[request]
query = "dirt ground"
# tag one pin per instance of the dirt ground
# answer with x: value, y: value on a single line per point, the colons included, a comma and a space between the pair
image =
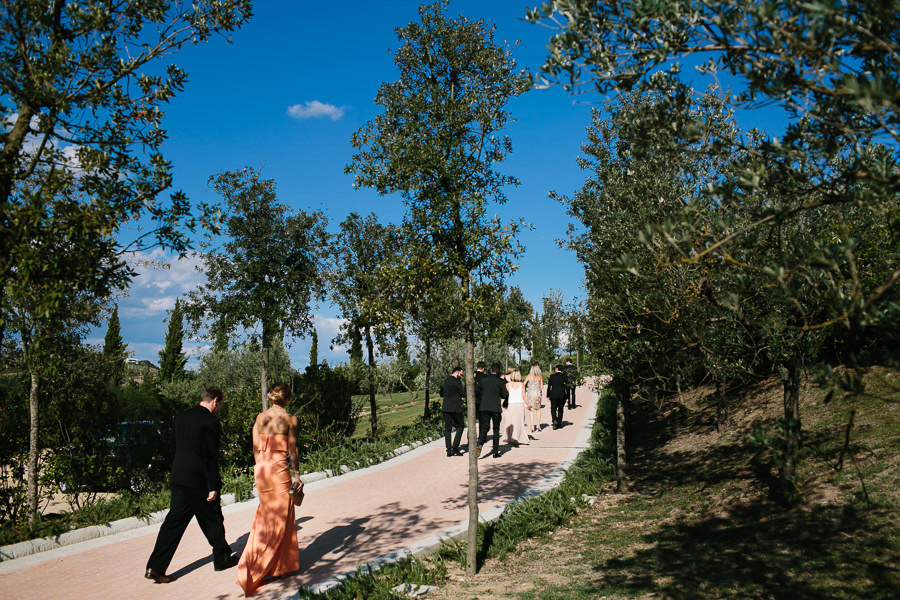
x: 535, y: 565
x: 687, y: 425
x: 59, y: 504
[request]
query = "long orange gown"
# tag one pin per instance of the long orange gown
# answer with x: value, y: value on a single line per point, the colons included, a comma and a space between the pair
x: 272, y: 548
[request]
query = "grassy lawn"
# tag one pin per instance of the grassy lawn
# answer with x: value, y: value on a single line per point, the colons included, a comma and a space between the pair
x: 394, y: 411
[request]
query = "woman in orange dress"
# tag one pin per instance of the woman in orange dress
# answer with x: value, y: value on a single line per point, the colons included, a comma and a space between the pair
x: 272, y: 549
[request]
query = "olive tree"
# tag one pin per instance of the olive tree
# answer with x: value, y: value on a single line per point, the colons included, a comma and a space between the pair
x: 82, y: 93
x: 268, y: 270
x: 436, y: 143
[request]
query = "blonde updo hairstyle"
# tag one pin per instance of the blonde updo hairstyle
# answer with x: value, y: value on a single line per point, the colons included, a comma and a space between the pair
x: 515, y: 376
x: 280, y: 394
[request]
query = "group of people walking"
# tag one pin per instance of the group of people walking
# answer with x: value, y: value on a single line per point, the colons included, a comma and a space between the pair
x: 503, y: 403
x: 272, y: 549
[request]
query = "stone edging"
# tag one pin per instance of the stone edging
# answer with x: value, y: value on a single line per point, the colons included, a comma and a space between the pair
x: 427, y: 545
x: 29, y: 547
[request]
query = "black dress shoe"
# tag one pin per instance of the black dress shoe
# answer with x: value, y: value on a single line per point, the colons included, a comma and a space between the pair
x: 158, y: 577
x: 232, y: 561
x: 456, y: 452
x: 496, y: 454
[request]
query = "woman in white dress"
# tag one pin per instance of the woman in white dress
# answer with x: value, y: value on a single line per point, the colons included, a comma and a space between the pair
x: 534, y: 386
x: 514, y: 425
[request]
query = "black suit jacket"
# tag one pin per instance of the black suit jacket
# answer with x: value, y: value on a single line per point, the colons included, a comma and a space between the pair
x: 197, y: 437
x: 452, y: 392
x: 492, y: 390
x: 556, y: 386
x: 478, y: 376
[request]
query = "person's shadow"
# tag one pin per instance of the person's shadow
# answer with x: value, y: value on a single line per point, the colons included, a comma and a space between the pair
x: 237, y: 547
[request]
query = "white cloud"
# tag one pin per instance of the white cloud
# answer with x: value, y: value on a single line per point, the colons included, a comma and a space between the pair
x: 315, y: 109
x: 327, y: 327
x: 159, y: 280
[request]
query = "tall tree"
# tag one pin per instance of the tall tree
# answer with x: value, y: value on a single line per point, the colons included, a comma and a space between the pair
x: 553, y: 323
x: 115, y: 350
x: 436, y: 143
x: 513, y: 330
x: 268, y: 270
x: 837, y: 163
x: 81, y: 94
x: 424, y: 293
x: 357, y: 364
x: 362, y: 255
x: 647, y: 159
x: 314, y: 349
x: 172, y: 358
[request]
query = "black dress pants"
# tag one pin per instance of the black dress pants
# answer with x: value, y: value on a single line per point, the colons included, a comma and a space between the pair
x: 556, y: 410
x: 187, y: 503
x: 570, y: 392
x: 453, y: 421
x: 487, y: 419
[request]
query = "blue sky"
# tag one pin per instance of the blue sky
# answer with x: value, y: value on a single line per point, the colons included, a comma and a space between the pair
x: 285, y: 96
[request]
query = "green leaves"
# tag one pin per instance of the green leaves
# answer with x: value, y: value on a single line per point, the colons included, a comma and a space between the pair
x: 268, y: 269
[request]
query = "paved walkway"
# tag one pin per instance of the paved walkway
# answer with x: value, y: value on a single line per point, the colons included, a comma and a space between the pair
x: 401, y: 506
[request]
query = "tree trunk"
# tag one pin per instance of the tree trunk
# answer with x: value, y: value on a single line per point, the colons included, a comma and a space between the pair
x: 791, y: 422
x: 33, y: 473
x: 370, y: 347
x: 623, y: 393
x: 264, y: 378
x: 427, y: 374
x: 472, y: 532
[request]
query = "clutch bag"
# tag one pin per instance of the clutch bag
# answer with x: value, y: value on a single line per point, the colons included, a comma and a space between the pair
x: 297, y: 493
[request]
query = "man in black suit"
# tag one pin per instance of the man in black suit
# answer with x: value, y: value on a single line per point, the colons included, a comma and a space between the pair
x: 452, y: 392
x: 571, y: 374
x: 557, y: 393
x: 195, y: 485
x: 492, y: 391
x: 479, y: 373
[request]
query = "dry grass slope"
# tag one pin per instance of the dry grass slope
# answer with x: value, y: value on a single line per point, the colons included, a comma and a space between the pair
x: 699, y: 521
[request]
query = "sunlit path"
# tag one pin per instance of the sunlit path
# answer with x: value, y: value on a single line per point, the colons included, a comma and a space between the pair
x: 344, y: 521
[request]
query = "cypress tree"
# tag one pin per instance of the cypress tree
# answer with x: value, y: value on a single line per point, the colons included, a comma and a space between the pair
x: 115, y: 351
x: 314, y: 349
x: 171, y: 357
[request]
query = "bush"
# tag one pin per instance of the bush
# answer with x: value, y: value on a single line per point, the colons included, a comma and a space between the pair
x: 323, y: 404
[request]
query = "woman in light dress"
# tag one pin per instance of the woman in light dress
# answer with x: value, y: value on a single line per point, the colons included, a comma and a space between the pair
x: 272, y: 549
x: 514, y: 425
x: 534, y: 386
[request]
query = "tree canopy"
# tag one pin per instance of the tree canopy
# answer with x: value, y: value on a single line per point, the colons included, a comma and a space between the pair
x: 81, y: 97
x: 436, y: 143
x: 268, y: 270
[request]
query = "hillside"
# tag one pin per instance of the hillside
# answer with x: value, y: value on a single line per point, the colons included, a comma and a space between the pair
x: 699, y: 520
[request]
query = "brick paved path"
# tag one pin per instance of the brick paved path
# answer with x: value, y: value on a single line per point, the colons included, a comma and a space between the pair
x: 344, y: 522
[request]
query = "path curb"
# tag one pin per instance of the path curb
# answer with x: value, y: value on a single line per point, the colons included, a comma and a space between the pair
x: 427, y: 545
x: 75, y: 536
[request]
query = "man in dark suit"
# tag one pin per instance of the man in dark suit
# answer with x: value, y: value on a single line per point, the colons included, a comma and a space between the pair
x: 452, y: 392
x: 557, y: 393
x: 492, y: 391
x: 479, y: 373
x: 195, y: 484
x: 571, y: 374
